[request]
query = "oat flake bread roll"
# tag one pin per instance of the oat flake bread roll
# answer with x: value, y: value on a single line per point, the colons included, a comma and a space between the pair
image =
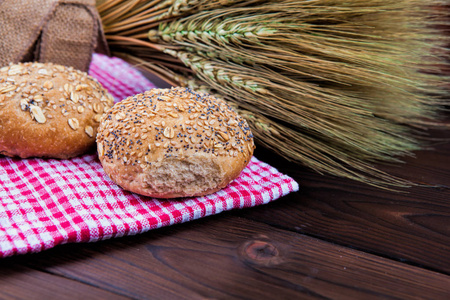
x: 49, y: 110
x: 169, y: 143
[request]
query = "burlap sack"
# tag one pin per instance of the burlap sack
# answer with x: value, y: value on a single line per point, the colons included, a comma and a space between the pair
x: 66, y: 32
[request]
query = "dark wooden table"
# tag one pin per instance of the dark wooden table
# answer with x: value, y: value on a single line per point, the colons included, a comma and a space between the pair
x: 334, y: 238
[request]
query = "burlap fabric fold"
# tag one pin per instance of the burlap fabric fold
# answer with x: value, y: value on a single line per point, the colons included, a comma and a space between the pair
x: 66, y: 32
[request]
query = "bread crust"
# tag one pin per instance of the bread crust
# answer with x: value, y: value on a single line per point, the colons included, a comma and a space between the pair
x: 48, y: 110
x: 169, y: 143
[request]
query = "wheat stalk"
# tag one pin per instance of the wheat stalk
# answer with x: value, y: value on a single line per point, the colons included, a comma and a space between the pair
x: 334, y: 85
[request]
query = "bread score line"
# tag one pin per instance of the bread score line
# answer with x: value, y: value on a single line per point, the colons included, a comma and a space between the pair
x: 169, y: 143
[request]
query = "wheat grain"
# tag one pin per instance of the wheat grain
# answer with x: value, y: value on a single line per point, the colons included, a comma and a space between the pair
x: 335, y: 85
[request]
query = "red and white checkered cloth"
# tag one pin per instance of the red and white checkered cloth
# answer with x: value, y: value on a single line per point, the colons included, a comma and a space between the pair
x: 47, y: 202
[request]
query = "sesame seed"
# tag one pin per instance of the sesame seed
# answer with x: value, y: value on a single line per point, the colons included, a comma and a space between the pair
x: 89, y: 131
x: 73, y: 123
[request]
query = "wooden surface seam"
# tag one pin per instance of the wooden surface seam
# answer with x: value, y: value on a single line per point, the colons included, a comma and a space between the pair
x: 334, y: 239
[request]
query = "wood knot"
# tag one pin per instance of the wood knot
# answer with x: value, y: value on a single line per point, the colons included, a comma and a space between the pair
x: 260, y: 252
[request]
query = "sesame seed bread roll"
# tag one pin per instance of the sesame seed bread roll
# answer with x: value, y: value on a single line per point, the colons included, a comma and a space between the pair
x: 48, y: 110
x: 169, y: 143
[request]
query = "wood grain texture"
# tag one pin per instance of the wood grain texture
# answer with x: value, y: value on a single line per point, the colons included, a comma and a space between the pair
x: 333, y: 239
x: 412, y: 226
x: 20, y: 282
x: 228, y: 257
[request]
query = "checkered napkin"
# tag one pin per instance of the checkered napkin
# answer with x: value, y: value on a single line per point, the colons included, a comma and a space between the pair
x: 47, y: 202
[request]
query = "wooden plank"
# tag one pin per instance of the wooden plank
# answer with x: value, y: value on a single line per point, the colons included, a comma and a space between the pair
x: 413, y: 227
x: 21, y: 282
x: 228, y: 257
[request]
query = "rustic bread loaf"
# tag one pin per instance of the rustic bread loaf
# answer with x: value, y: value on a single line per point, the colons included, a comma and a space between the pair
x: 169, y: 143
x: 49, y: 110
